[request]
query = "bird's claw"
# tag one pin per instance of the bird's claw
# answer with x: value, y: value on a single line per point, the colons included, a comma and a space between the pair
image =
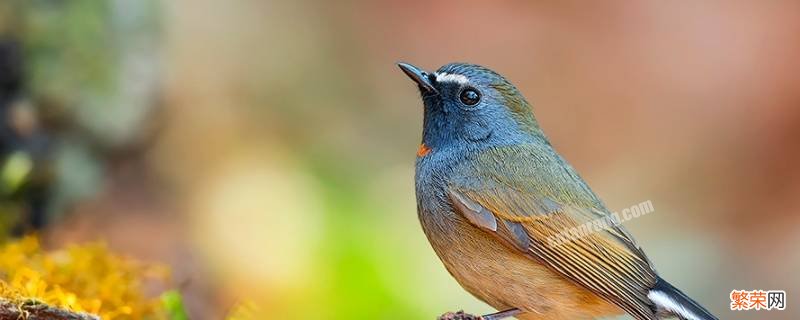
x: 460, y: 315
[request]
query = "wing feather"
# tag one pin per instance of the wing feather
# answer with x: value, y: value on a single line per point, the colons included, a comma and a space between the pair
x: 525, y: 202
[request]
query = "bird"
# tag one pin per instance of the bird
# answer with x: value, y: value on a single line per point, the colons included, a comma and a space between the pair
x: 494, y: 199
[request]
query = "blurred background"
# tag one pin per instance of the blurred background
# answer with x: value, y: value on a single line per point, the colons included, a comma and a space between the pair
x: 264, y: 150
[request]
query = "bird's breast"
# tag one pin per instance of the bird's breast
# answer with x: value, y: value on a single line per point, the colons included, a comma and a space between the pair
x: 506, y: 278
x: 495, y: 273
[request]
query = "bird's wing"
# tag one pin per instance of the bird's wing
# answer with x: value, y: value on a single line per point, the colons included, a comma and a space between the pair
x: 528, y: 197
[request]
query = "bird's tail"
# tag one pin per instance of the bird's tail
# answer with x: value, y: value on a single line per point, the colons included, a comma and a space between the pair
x: 671, y: 302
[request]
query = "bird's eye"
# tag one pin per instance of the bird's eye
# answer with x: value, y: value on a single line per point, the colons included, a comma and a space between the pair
x: 470, y: 96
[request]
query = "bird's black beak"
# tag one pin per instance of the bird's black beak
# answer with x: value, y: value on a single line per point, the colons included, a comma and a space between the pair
x: 419, y: 76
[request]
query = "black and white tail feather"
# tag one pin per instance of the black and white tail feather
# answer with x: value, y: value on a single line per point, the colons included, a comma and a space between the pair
x: 671, y: 302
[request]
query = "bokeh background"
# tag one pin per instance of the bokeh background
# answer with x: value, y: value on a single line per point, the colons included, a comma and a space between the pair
x: 264, y: 150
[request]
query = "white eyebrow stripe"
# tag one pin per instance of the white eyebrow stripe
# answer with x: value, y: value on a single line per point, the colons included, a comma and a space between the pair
x: 450, y: 77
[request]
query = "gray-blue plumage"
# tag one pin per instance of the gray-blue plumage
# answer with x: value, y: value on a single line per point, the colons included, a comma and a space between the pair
x: 492, y: 193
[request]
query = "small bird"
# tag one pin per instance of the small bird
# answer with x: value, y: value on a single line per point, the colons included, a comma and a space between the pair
x: 494, y: 199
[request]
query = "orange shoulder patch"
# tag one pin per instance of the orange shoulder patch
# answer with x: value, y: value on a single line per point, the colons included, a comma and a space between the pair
x: 423, y: 150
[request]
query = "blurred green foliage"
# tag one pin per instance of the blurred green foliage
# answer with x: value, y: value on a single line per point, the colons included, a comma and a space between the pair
x: 91, y: 73
x: 172, y: 302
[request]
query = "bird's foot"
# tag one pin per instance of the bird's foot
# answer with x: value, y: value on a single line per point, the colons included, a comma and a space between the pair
x: 460, y: 315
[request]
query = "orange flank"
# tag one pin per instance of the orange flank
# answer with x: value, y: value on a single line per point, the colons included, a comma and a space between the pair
x: 423, y: 150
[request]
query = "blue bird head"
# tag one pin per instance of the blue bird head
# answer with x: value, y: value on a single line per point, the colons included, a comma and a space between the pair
x: 471, y: 106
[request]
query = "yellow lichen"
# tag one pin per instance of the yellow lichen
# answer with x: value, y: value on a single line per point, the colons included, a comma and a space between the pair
x: 85, y: 278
